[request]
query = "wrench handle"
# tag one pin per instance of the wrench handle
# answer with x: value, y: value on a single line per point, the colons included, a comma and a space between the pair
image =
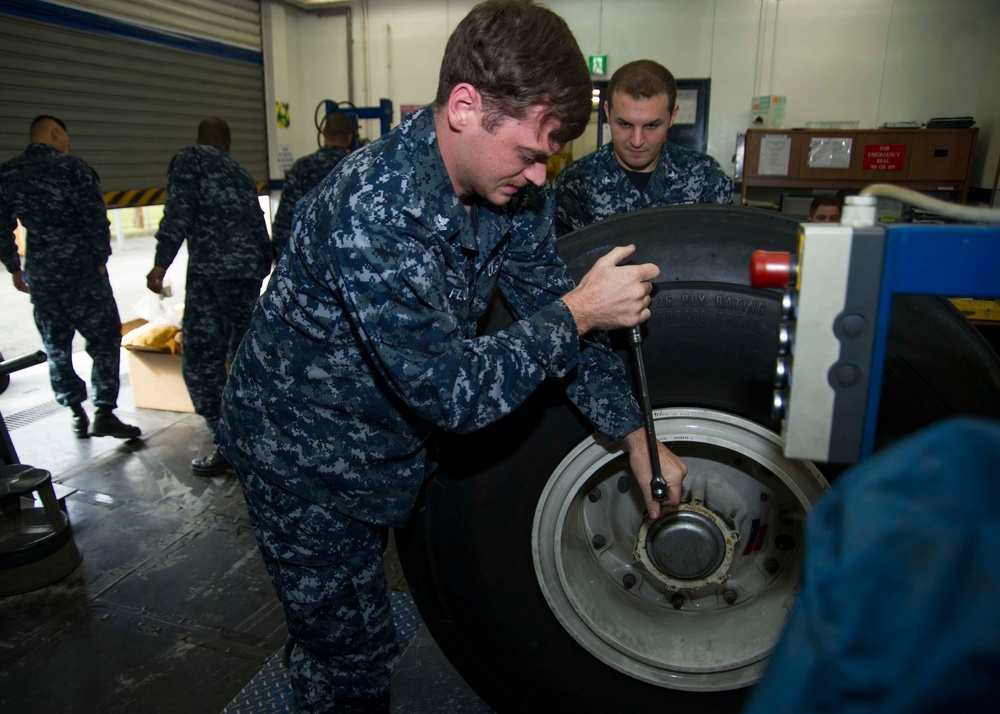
x: 657, y: 486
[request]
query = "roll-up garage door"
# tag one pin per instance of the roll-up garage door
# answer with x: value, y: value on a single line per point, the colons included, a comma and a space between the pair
x: 132, y: 79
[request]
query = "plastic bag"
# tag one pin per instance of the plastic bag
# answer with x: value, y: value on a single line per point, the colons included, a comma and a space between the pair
x: 157, y: 311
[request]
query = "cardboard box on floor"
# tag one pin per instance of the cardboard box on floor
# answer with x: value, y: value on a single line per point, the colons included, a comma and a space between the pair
x: 155, y: 376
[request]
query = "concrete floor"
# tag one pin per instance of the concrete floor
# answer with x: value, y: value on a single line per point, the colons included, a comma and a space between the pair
x: 170, y: 608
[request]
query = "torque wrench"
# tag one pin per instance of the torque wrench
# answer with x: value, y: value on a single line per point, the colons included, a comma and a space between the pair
x: 657, y: 486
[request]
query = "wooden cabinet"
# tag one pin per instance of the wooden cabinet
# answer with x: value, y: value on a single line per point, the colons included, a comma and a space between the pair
x: 943, y: 155
x: 938, y: 160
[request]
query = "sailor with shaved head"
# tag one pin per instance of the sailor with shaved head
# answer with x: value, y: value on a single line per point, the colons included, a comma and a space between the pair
x: 58, y: 200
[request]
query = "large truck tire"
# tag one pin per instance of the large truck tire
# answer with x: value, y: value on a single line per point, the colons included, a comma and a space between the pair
x: 522, y: 551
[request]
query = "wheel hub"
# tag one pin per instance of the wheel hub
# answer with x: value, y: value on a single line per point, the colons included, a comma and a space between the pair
x: 685, y: 545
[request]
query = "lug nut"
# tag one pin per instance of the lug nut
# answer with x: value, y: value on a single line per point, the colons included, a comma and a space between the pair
x: 598, y: 541
x: 624, y: 484
x: 595, y: 495
x: 771, y: 566
x: 677, y: 600
x: 730, y: 596
x: 628, y: 580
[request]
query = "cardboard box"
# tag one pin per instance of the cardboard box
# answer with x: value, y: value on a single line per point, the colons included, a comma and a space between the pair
x: 155, y: 377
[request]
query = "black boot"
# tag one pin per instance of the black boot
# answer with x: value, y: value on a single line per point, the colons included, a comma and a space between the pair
x: 212, y: 465
x: 107, y: 424
x: 81, y: 422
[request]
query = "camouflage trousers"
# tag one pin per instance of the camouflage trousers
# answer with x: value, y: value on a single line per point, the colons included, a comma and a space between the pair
x: 216, y: 316
x: 87, y: 307
x: 328, y: 573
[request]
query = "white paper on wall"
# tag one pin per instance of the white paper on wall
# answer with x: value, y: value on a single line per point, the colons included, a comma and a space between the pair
x: 775, y: 150
x: 687, y: 106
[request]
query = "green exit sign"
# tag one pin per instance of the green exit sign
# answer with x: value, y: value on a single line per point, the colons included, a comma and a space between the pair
x: 598, y: 64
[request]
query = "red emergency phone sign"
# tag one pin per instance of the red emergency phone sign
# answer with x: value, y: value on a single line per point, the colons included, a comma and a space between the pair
x: 883, y: 157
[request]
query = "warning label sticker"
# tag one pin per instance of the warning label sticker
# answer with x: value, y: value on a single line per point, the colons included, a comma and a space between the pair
x: 883, y: 157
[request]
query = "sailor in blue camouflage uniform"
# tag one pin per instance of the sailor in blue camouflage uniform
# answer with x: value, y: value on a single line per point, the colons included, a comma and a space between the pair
x: 212, y: 203
x: 364, y: 343
x: 307, y: 172
x: 58, y: 199
x: 638, y: 169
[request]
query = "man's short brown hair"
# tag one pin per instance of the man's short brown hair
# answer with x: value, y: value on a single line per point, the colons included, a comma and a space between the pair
x: 825, y: 199
x: 213, y: 131
x: 337, y: 125
x: 643, y: 79
x: 519, y: 55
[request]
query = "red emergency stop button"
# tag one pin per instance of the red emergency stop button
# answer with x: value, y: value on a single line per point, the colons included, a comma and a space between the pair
x: 770, y: 269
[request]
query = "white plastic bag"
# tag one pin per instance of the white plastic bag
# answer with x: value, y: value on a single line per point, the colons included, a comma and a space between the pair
x: 157, y: 311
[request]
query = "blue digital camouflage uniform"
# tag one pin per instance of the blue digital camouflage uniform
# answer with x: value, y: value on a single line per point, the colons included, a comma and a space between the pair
x: 300, y: 180
x: 212, y: 203
x: 363, y: 344
x: 596, y: 187
x: 897, y: 609
x: 59, y: 201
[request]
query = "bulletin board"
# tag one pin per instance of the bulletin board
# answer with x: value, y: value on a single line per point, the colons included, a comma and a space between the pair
x: 690, y: 130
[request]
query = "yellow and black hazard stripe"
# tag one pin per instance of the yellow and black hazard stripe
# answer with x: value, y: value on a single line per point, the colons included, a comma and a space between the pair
x: 151, y: 196
x: 977, y: 310
x: 135, y: 197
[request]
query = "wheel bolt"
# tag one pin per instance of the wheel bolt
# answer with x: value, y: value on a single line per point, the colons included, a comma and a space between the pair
x: 598, y: 541
x: 771, y: 566
x: 677, y: 600
x: 595, y: 495
x: 628, y: 580
x: 624, y: 484
x: 729, y: 596
x: 763, y: 497
x: 784, y: 542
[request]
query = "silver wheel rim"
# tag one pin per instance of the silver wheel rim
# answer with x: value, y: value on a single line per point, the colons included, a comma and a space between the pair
x: 710, y: 623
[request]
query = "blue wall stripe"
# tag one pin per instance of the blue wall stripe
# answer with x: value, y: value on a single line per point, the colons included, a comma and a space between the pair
x: 92, y: 22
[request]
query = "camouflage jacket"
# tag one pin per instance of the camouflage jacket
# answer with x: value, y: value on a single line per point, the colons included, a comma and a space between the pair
x: 596, y: 187
x: 212, y: 203
x: 300, y: 180
x: 59, y: 201
x: 365, y: 339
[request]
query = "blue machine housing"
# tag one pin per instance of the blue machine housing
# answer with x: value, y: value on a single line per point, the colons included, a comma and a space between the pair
x: 839, y: 325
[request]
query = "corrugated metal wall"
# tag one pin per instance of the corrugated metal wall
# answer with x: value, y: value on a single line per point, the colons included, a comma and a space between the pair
x: 132, y: 81
x: 231, y: 22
